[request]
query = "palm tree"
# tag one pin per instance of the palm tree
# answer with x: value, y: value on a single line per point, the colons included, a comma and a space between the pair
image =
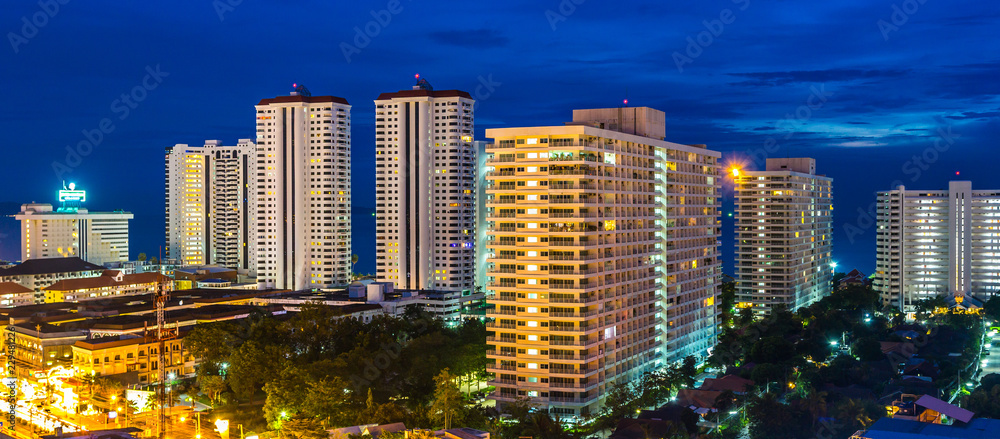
x: 354, y: 261
x: 815, y: 403
x: 541, y: 425
x: 857, y: 413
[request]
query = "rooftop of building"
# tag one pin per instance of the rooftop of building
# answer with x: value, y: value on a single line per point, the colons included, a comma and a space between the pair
x: 200, y: 269
x: 110, y: 278
x: 203, y: 313
x: 49, y: 266
x: 424, y: 93
x: 13, y: 288
x: 303, y: 99
x: 894, y: 428
x: 137, y: 304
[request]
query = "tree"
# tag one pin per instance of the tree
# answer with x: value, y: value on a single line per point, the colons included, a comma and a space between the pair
x: 772, y: 349
x: 541, y: 425
x: 868, y: 349
x: 745, y: 316
x: 302, y: 427
x: 251, y: 367
x: 285, y: 395
x: 154, y: 261
x: 327, y: 399
x: 992, y: 307
x: 142, y: 257
x: 354, y: 261
x: 769, y: 418
x: 212, y: 385
x: 859, y: 413
x: 447, y: 399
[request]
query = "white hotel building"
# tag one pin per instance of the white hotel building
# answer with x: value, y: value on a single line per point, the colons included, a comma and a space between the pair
x: 303, y: 192
x: 96, y: 237
x: 210, y: 197
x: 602, y: 254
x: 933, y: 243
x: 784, y: 233
x: 425, y: 189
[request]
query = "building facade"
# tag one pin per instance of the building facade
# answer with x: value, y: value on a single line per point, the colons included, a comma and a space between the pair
x: 37, y: 274
x: 211, y: 204
x: 603, y: 255
x: 932, y: 243
x: 425, y: 189
x: 303, y: 191
x: 133, y: 359
x: 110, y: 283
x: 97, y: 237
x: 784, y: 233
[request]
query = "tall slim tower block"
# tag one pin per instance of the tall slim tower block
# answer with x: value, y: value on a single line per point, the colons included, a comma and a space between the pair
x: 934, y: 243
x: 303, y: 191
x: 603, y: 255
x: 425, y: 189
x: 211, y: 204
x: 784, y: 233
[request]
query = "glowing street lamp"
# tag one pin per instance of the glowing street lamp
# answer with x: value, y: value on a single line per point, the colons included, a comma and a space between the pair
x: 222, y: 426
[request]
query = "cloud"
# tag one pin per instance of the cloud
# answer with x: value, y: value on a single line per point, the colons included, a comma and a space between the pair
x: 829, y: 75
x: 472, y: 39
x: 975, y: 115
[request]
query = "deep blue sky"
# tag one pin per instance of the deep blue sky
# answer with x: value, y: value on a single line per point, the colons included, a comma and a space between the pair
x: 887, y: 90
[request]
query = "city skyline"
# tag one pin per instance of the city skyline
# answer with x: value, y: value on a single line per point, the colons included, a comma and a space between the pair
x: 909, y: 90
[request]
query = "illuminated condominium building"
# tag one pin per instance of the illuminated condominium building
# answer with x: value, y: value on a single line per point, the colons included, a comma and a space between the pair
x: 933, y: 243
x: 303, y: 191
x: 425, y: 184
x: 784, y: 235
x: 71, y: 230
x: 602, y: 255
x: 210, y: 210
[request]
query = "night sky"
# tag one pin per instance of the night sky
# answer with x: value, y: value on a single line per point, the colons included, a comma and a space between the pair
x: 880, y: 92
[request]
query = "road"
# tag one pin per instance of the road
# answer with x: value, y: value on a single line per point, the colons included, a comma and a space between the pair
x: 993, y: 361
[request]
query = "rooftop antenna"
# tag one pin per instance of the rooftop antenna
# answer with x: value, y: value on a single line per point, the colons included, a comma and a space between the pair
x: 301, y: 90
x: 422, y: 84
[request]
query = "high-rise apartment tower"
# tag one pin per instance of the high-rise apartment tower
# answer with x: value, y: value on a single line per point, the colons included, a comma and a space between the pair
x: 303, y: 191
x: 602, y: 254
x: 784, y: 235
x: 211, y: 211
x: 425, y: 189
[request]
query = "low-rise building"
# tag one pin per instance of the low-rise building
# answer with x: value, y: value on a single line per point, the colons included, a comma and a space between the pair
x: 201, y: 275
x: 133, y: 359
x: 14, y: 294
x: 36, y: 274
x: 110, y: 283
x: 39, y: 347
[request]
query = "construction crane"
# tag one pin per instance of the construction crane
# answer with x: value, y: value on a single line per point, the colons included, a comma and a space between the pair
x: 162, y: 335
